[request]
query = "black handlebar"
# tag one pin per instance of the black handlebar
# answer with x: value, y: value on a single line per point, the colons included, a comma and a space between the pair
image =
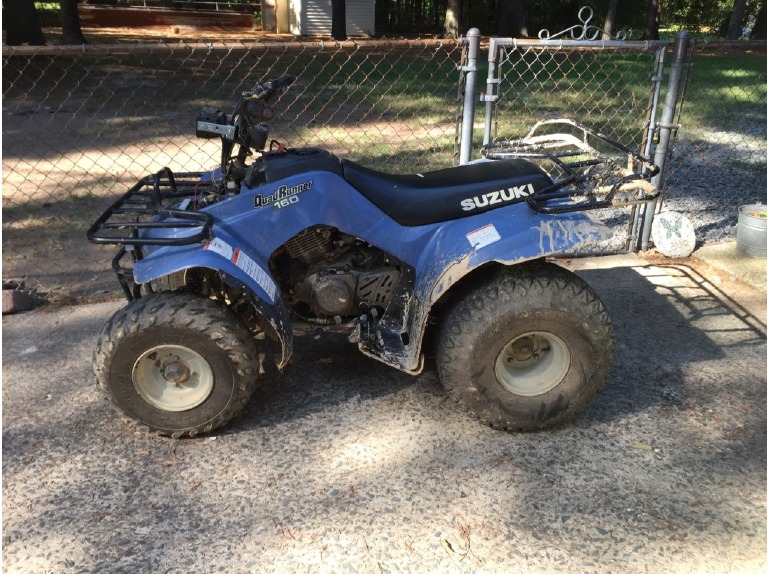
x: 255, y: 105
x: 265, y: 90
x: 251, y: 110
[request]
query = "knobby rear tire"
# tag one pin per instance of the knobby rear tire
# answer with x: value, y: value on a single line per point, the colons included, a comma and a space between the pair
x: 544, y: 321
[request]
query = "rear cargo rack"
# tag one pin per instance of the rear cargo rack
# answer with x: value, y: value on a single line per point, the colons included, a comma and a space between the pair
x: 144, y: 207
x: 589, y: 170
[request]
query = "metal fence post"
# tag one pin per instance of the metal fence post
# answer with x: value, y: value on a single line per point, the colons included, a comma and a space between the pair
x: 667, y: 126
x: 637, y: 211
x: 469, y: 104
x: 490, y: 97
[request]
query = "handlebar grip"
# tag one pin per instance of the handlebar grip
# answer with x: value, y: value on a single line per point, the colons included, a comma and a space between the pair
x: 265, y: 90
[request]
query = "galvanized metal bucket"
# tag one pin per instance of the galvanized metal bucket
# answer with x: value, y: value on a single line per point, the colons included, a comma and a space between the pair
x: 752, y: 230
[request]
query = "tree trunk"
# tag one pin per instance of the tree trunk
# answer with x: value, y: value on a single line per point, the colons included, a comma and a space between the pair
x: 651, y: 31
x: 70, y: 23
x: 759, y: 31
x: 736, y: 20
x: 338, y: 20
x: 452, y: 19
x: 609, y: 22
x: 22, y: 23
x: 513, y: 21
x: 505, y: 24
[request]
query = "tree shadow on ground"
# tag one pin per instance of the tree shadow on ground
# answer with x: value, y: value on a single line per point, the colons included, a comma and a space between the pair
x: 343, y: 459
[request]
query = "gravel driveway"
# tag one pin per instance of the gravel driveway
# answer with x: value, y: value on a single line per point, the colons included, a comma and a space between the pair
x: 342, y: 464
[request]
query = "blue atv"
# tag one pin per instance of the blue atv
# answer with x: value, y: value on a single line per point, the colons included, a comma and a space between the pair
x: 223, y: 268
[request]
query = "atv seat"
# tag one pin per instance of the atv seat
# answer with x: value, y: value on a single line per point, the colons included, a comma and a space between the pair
x: 450, y: 193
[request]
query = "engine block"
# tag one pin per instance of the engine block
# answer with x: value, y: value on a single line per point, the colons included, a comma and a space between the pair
x: 332, y: 274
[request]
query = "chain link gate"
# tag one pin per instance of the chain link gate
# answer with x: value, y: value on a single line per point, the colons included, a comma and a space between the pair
x: 704, y: 121
x: 611, y: 86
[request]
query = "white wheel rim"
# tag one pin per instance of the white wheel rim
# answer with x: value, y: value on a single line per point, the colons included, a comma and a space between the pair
x: 532, y: 363
x: 172, y: 378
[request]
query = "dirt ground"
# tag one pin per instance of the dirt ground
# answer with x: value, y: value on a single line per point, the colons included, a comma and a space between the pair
x: 341, y: 464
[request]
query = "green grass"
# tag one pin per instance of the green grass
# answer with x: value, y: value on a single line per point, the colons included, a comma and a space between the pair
x: 342, y: 99
x: 726, y: 93
x: 607, y: 91
x: 345, y: 98
x: 372, y: 107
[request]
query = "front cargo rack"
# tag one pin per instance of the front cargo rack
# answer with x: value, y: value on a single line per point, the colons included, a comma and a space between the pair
x: 156, y: 202
x: 146, y: 206
x: 589, y: 170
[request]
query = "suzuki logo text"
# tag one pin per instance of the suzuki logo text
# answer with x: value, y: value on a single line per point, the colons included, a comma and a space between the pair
x: 501, y: 196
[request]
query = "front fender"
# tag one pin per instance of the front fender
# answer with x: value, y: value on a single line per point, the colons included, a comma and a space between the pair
x: 238, y: 267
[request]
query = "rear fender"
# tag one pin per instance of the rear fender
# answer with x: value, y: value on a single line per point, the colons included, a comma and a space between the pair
x: 238, y: 268
x: 508, y: 242
x: 505, y: 236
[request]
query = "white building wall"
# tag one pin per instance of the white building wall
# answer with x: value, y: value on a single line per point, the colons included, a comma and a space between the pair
x: 314, y: 17
x: 360, y: 17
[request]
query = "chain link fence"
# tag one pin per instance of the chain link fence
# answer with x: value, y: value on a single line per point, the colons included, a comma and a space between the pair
x: 81, y: 125
x: 718, y: 160
x: 612, y: 87
x: 606, y: 88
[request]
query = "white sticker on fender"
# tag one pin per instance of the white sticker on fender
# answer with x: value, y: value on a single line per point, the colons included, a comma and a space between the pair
x: 246, y: 264
x: 256, y: 272
x: 483, y: 236
x: 218, y: 246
